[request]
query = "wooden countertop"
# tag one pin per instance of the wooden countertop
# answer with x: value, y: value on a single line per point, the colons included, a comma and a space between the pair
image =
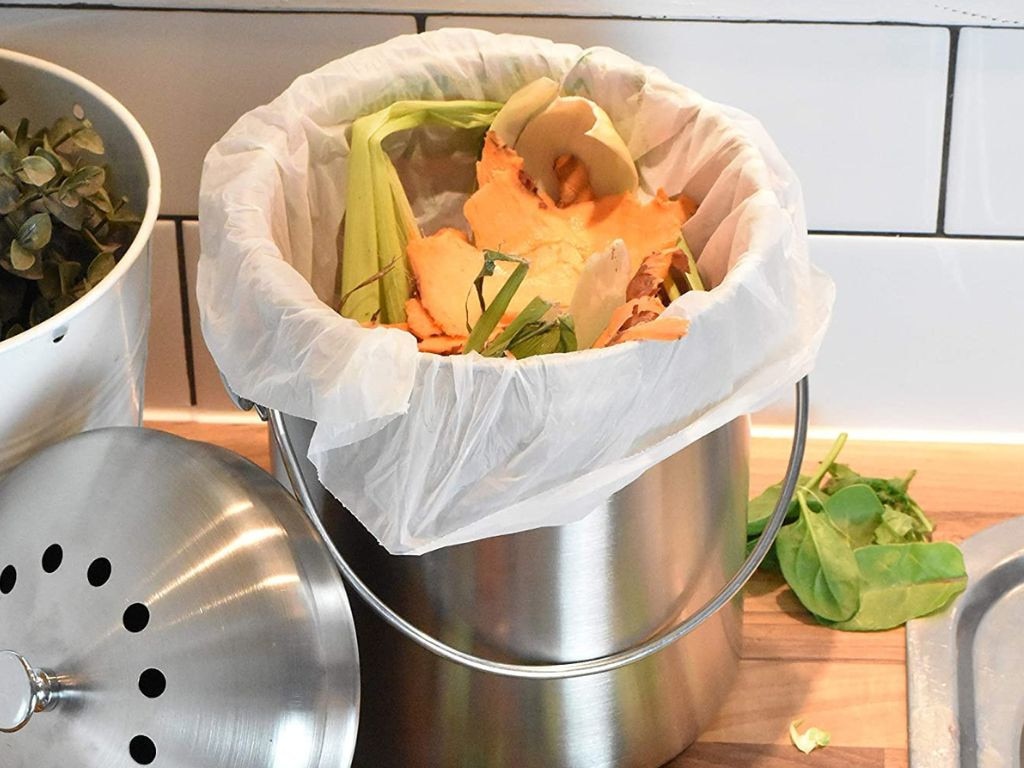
x: 851, y: 684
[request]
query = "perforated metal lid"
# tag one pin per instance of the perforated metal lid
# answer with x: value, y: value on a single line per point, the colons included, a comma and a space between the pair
x: 165, y: 602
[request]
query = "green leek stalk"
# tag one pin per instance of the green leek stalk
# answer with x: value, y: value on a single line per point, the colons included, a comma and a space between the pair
x: 379, y: 222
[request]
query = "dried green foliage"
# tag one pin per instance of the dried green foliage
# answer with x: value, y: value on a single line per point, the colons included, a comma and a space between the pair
x: 60, y: 231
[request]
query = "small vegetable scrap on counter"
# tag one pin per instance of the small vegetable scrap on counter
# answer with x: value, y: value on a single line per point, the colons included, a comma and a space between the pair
x: 60, y: 231
x: 809, y: 740
x: 857, y: 551
x: 560, y: 252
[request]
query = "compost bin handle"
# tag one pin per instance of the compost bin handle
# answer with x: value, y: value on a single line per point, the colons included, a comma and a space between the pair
x: 544, y: 671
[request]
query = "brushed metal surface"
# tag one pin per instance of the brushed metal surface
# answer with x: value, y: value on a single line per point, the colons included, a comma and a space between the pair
x: 654, y: 551
x: 248, y: 626
x: 964, y: 665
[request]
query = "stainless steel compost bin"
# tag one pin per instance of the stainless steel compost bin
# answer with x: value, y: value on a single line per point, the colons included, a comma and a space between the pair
x: 608, y: 642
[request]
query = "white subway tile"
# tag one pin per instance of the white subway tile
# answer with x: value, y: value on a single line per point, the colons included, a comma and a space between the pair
x: 858, y: 110
x: 210, y: 392
x: 925, y: 337
x: 166, y: 371
x: 986, y: 165
x: 188, y: 76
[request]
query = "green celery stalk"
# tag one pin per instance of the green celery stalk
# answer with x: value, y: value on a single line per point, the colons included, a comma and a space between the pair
x: 379, y: 223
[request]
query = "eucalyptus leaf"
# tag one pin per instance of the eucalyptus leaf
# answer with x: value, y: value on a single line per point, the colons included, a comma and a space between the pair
x: 101, y: 200
x: 86, y: 181
x: 89, y: 140
x: 856, y: 512
x: 10, y: 195
x: 49, y: 286
x: 69, y: 216
x: 819, y: 566
x: 22, y: 259
x: 900, y: 582
x: 100, y: 267
x: 35, y: 233
x: 13, y: 331
x: 69, y: 273
x: 50, y: 157
x: 36, y: 170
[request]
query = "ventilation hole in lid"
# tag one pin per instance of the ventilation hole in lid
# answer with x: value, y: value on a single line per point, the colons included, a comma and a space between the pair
x: 136, y: 617
x: 52, y: 558
x: 99, y: 571
x: 152, y: 683
x: 142, y: 749
x: 8, y: 576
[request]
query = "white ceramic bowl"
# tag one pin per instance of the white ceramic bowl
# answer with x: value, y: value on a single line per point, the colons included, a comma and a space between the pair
x: 84, y: 367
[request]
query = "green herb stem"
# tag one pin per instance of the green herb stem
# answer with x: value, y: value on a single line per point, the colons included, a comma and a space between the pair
x: 489, y: 319
x: 828, y: 461
x: 531, y: 313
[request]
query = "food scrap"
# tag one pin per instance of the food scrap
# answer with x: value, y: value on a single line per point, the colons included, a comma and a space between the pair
x: 561, y: 253
x: 810, y: 739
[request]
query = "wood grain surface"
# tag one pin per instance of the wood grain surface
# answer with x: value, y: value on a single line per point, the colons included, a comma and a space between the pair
x: 851, y: 684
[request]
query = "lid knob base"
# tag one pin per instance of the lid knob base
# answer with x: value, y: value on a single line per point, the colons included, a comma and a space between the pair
x: 23, y: 691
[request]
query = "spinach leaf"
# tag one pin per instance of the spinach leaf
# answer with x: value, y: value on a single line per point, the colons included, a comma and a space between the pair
x: 891, y: 492
x: 900, y: 582
x: 760, y: 508
x: 896, y: 528
x: 819, y: 565
x: 856, y: 512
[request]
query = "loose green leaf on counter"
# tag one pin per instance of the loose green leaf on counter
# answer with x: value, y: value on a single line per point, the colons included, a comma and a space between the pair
x: 856, y: 512
x: 819, y: 565
x: 809, y: 740
x: 760, y: 508
x: 900, y: 582
x: 859, y: 547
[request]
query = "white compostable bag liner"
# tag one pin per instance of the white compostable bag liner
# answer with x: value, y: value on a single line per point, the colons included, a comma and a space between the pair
x: 430, y: 451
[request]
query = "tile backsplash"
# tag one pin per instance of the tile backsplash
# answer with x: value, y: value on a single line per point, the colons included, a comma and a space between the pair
x: 854, y: 103
x: 904, y: 136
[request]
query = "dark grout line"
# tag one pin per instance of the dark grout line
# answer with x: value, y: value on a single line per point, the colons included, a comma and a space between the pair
x: 186, y: 316
x: 947, y: 129
x: 707, y: 20
x: 913, y: 235
x: 421, y: 15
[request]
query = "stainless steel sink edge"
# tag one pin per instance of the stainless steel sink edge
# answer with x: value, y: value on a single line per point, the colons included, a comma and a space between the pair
x: 965, y: 710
